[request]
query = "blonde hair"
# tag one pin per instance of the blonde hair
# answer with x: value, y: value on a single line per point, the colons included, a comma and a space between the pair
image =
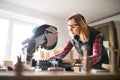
x: 84, y: 29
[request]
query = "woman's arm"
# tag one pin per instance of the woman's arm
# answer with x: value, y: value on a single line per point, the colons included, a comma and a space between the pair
x: 97, y: 50
x: 64, y: 52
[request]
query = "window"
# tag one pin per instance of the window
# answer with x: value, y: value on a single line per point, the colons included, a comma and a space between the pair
x: 13, y: 32
x: 4, y: 25
x: 20, y: 33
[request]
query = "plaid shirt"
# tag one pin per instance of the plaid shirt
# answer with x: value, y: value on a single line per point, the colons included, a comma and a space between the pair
x: 93, y: 59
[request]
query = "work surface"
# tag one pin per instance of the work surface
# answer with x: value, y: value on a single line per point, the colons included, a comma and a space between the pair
x: 48, y: 75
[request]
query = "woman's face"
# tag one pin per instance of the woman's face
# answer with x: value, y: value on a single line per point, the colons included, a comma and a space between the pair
x: 74, y: 28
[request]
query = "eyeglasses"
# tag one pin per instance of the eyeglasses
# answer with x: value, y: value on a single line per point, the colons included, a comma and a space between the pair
x: 74, y: 25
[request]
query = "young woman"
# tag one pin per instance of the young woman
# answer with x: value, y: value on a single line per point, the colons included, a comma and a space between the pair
x: 81, y: 34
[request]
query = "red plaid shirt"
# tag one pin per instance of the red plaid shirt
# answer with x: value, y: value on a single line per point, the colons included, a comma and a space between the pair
x: 97, y: 50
